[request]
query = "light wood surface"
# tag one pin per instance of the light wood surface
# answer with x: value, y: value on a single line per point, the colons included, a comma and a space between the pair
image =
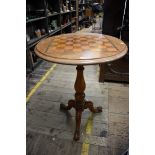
x: 81, y: 49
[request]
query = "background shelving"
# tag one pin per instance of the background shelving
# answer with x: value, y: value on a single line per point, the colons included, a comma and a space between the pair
x: 81, y: 13
x: 46, y: 18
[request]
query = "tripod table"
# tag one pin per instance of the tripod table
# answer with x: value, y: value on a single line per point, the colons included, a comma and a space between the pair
x: 80, y: 49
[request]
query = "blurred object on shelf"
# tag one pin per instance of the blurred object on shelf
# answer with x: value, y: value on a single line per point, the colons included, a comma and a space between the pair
x: 97, y: 8
x: 61, y: 6
x: 72, y: 8
x: 64, y: 8
x: 54, y: 24
x: 89, y: 12
x: 67, y: 8
x: 43, y: 31
x: 38, y: 33
x: 48, y: 12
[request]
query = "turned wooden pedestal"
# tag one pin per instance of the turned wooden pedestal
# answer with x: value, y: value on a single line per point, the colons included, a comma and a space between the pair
x: 80, y: 49
x: 79, y: 103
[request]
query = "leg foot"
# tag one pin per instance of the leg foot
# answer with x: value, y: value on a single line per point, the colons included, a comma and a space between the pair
x: 78, y: 122
x: 90, y: 106
x: 76, y: 135
x: 71, y: 104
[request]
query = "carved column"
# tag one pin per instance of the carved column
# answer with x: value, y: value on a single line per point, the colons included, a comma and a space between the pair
x: 79, y: 99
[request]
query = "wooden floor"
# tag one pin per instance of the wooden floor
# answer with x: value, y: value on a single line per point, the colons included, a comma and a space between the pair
x: 50, y: 131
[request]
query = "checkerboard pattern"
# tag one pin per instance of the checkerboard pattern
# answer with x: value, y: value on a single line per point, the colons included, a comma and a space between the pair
x: 79, y: 46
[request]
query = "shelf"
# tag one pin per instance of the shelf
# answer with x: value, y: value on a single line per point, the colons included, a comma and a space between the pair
x: 54, y: 14
x: 66, y: 25
x: 35, y: 19
x: 65, y: 12
x: 44, y: 19
x: 55, y: 31
x: 35, y: 40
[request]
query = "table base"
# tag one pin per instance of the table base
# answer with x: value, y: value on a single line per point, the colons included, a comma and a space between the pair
x: 79, y: 103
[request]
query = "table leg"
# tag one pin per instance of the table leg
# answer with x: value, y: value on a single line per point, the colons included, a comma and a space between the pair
x: 89, y: 105
x: 71, y: 104
x: 80, y: 103
x: 79, y: 99
x: 78, y: 123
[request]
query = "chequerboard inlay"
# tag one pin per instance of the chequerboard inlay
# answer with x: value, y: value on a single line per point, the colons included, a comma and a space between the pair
x: 85, y: 46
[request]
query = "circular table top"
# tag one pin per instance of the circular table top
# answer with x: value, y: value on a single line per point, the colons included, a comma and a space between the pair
x: 81, y: 48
